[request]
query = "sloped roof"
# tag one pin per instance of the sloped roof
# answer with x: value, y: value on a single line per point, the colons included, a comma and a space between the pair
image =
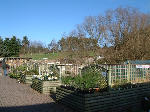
x: 140, y: 62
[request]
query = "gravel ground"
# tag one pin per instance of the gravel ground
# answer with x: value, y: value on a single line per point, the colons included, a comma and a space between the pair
x: 18, y: 97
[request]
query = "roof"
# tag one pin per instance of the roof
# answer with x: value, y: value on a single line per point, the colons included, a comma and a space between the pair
x: 140, y: 62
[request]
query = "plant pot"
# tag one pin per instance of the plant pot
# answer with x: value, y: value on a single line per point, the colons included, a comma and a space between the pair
x: 96, y: 89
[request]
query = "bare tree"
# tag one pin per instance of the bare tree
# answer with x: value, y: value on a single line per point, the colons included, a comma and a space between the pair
x: 53, y: 46
x: 37, y: 47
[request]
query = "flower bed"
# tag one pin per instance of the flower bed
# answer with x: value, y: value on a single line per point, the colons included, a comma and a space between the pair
x: 112, y: 101
x: 22, y: 74
x: 45, y: 87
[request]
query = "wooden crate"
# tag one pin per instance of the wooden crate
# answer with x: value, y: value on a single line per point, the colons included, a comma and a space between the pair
x: 113, y: 101
x: 45, y: 87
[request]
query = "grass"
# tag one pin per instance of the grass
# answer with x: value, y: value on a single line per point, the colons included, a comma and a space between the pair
x: 53, y: 56
x: 39, y: 56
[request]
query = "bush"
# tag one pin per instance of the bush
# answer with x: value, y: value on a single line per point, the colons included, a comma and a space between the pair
x: 121, y: 84
x: 31, y: 72
x: 68, y: 80
x: 15, y: 76
x: 90, y: 78
x: 21, y: 71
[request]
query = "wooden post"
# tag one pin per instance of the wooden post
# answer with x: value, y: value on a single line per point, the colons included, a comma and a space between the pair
x: 128, y: 72
x: 60, y: 75
x: 39, y: 71
x: 109, y: 77
x: 115, y: 72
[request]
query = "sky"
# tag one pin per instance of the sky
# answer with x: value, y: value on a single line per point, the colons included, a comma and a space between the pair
x: 44, y: 20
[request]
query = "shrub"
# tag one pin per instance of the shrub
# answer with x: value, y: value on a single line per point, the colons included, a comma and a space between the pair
x: 121, y: 84
x: 68, y: 80
x: 89, y: 79
x: 31, y: 72
x: 15, y: 76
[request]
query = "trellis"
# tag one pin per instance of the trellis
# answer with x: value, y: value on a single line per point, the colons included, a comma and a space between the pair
x: 128, y: 72
x: 64, y: 69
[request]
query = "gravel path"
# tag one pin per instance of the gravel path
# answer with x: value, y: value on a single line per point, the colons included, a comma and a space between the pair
x: 16, y: 97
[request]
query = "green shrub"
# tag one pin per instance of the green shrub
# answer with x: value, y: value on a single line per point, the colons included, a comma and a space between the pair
x: 68, y: 80
x: 19, y: 72
x: 90, y: 78
x: 55, y: 70
x: 31, y: 72
x: 22, y: 68
x: 15, y: 76
x: 121, y: 84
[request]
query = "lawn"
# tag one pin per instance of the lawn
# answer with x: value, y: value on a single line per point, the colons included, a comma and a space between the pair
x: 39, y: 56
x: 54, y: 56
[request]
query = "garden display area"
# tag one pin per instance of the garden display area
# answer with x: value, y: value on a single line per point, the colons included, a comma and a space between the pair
x: 89, y: 91
x: 45, y: 83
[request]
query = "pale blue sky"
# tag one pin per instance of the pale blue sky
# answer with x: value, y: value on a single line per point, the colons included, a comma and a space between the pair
x: 45, y: 20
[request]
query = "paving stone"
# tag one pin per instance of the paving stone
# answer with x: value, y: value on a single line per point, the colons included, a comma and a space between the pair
x: 18, y: 97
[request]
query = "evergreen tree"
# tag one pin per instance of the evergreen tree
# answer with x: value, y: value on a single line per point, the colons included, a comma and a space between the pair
x: 6, y: 47
x: 14, y: 46
x: 25, y: 44
x: 1, y: 46
x: 11, y: 47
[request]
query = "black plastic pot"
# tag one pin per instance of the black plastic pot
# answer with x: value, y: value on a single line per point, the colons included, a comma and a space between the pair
x: 146, y: 103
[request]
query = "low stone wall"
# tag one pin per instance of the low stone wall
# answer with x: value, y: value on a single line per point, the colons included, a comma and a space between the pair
x: 45, y: 87
x: 113, y: 101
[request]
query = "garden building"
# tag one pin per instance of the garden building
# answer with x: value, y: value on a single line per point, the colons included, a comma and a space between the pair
x: 132, y: 71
